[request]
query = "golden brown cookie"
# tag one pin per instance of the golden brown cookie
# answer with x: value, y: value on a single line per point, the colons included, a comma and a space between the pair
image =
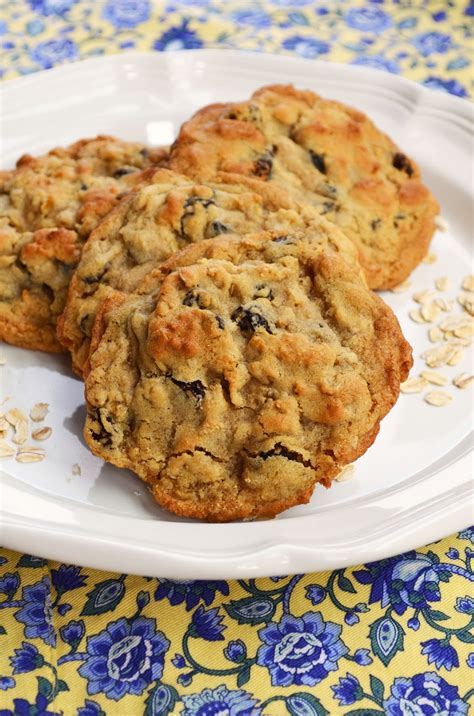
x: 48, y: 207
x: 162, y: 217
x: 242, y: 373
x: 327, y: 154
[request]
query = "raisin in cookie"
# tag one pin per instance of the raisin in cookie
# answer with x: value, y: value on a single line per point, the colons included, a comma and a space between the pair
x: 325, y: 153
x: 242, y: 373
x: 48, y: 207
x: 162, y: 217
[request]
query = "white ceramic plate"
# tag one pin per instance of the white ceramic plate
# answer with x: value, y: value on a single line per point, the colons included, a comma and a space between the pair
x: 413, y: 485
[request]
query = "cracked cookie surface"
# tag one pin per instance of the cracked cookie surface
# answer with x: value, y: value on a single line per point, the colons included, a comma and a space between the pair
x: 325, y: 153
x: 166, y: 215
x: 48, y: 207
x: 241, y: 373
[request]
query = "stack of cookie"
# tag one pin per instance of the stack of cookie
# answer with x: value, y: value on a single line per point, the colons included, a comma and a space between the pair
x: 217, y: 299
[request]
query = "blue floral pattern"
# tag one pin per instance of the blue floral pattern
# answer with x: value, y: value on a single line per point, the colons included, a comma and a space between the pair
x: 315, y: 644
x: 390, y: 637
x: 427, y: 44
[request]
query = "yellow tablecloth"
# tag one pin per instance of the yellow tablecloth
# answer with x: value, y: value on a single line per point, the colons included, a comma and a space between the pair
x: 391, y: 637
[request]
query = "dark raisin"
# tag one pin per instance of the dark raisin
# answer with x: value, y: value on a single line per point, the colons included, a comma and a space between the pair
x: 263, y: 291
x: 84, y: 187
x: 280, y: 450
x: 327, y: 207
x: 215, y: 229
x: 318, y: 161
x: 123, y: 171
x: 189, y: 203
x: 375, y: 224
x: 100, y: 435
x: 283, y: 240
x: 402, y: 163
x: 264, y: 165
x: 249, y: 319
x: 193, y: 298
x: 144, y: 152
x: 220, y: 321
x: 327, y: 190
x: 195, y: 387
x: 89, y: 280
x: 83, y: 325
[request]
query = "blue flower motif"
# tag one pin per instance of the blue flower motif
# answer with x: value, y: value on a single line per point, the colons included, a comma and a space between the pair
x: 315, y: 593
x: 207, y: 624
x: 351, y: 618
x: 9, y: 583
x: 178, y: 661
x: 190, y: 591
x: 300, y: 650
x: 465, y: 605
x: 424, y: 694
x: 220, y: 701
x: 67, y: 578
x: 51, y: 7
x: 52, y: 52
x: 439, y: 16
x: 408, y: 580
x: 430, y: 43
x: 178, y: 38
x: 90, y: 708
x: 63, y: 609
x: 252, y: 16
x: 72, y: 632
x: 185, y: 679
x: 26, y: 658
x: 467, y: 534
x: 368, y: 19
x: 452, y: 553
x: 126, y: 14
x: 348, y: 690
x: 452, y: 87
x: 440, y: 653
x: 469, y: 9
x: 124, y: 658
x: 377, y: 62
x: 22, y: 707
x: 235, y: 651
x: 308, y: 47
x: 413, y: 623
x: 7, y: 682
x: 362, y: 657
x: 470, y: 660
x: 37, y: 612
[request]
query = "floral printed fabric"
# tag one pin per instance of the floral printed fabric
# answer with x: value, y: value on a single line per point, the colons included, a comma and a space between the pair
x: 429, y: 41
x: 391, y: 637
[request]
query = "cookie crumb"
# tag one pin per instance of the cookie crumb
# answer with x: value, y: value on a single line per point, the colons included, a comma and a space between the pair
x: 3, y: 358
x: 435, y: 334
x: 6, y: 450
x: 463, y: 381
x: 442, y: 283
x: 413, y: 385
x: 430, y: 258
x: 76, y: 469
x: 441, y: 224
x: 438, y: 398
x: 468, y: 283
x: 19, y: 422
x: 41, y: 433
x: 347, y: 473
x: 434, y: 377
x: 39, y: 411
